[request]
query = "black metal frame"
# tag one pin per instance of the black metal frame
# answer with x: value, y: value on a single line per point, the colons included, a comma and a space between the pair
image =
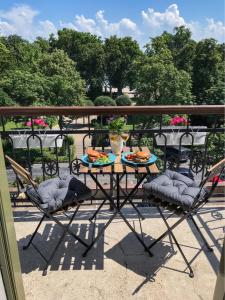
x: 198, y: 160
x: 185, y: 215
x: 48, y: 215
x: 117, y: 180
x: 65, y: 228
x: 117, y: 210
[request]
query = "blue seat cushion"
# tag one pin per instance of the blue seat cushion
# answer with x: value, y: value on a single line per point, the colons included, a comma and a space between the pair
x: 55, y: 194
x: 175, y: 188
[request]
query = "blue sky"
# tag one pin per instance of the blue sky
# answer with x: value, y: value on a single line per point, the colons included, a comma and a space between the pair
x: 137, y: 18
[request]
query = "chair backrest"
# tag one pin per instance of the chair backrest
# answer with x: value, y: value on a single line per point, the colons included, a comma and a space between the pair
x: 20, y: 172
x: 215, y: 170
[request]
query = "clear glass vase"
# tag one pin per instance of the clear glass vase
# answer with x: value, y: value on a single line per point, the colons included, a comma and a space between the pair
x: 116, y: 143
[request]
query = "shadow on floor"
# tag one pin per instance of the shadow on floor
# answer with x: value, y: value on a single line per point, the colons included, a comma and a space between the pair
x: 207, y: 227
x: 69, y: 253
x: 130, y: 254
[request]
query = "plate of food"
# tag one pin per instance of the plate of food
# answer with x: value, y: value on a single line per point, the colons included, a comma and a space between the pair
x: 98, y: 158
x: 138, y: 158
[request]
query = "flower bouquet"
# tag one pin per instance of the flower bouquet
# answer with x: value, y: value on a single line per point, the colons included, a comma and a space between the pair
x: 117, y: 133
x: 178, y: 136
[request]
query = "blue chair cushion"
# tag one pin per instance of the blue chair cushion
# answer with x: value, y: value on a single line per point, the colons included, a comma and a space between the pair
x: 175, y: 188
x: 55, y: 194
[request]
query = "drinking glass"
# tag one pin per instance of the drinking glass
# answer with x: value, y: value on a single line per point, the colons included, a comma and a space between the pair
x: 125, y: 136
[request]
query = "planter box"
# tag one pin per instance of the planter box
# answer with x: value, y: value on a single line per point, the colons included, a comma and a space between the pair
x: 48, y: 141
x: 173, y: 138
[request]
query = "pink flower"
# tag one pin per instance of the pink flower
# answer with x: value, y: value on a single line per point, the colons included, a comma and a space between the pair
x: 28, y: 123
x: 38, y: 121
x: 178, y: 120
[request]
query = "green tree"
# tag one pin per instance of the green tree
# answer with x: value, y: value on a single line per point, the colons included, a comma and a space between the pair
x: 216, y: 93
x: 123, y: 100
x: 104, y: 101
x: 162, y: 83
x: 63, y: 84
x: 208, y: 70
x: 23, y: 55
x: 5, y: 100
x: 183, y: 48
x: 87, y: 51
x: 42, y: 44
x: 180, y: 45
x: 23, y: 87
x: 4, y: 58
x: 121, y: 54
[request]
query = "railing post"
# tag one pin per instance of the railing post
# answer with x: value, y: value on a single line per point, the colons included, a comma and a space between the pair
x: 9, y: 256
x: 219, y: 292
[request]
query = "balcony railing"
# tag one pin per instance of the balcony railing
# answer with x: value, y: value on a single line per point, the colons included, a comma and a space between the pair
x: 195, y: 149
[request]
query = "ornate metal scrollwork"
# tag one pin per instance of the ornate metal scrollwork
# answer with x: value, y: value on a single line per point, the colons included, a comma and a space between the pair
x: 50, y: 167
x: 197, y: 161
x: 172, y: 162
x: 75, y: 166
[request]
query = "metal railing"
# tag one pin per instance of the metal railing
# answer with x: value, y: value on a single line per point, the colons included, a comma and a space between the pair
x: 195, y: 147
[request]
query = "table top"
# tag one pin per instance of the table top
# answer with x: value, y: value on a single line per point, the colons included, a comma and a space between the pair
x: 119, y: 168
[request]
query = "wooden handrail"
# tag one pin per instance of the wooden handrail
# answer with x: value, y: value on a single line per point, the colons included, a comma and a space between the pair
x: 112, y: 110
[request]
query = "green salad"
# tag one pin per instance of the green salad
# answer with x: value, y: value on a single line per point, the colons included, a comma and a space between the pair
x: 103, y: 160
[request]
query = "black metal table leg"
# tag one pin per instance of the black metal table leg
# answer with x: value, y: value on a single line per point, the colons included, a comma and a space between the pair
x: 98, y: 209
x: 117, y: 208
x: 131, y: 202
x: 118, y: 191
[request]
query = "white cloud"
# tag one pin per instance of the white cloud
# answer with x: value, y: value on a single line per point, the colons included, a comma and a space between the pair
x: 102, y: 27
x: 21, y: 20
x: 45, y: 28
x: 215, y: 29
x: 25, y: 21
x: 168, y: 19
x: 157, y: 22
x: 211, y: 29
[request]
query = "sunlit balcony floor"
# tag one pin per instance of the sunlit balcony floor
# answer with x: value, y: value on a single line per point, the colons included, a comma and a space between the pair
x: 118, y: 267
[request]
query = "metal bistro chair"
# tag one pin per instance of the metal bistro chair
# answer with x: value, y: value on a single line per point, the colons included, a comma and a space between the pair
x: 183, y: 197
x: 51, y: 197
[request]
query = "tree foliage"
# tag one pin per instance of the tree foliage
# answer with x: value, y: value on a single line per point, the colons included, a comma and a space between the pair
x: 120, y: 55
x: 159, y: 80
x: 36, y: 76
x: 73, y: 66
x: 88, y: 52
x: 5, y: 100
x: 123, y: 100
x: 208, y: 72
x: 104, y: 101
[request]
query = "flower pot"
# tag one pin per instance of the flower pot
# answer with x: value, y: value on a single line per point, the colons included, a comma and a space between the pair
x: 47, y: 140
x: 174, y: 138
x: 116, y: 143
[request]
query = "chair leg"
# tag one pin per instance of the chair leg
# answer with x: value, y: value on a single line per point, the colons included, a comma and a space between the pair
x: 65, y: 230
x: 98, y: 209
x: 201, y: 234
x: 191, y: 273
x: 33, y: 235
x: 166, y: 232
x: 68, y: 229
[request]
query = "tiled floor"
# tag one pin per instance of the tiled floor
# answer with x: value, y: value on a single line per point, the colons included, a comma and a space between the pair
x: 118, y: 267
